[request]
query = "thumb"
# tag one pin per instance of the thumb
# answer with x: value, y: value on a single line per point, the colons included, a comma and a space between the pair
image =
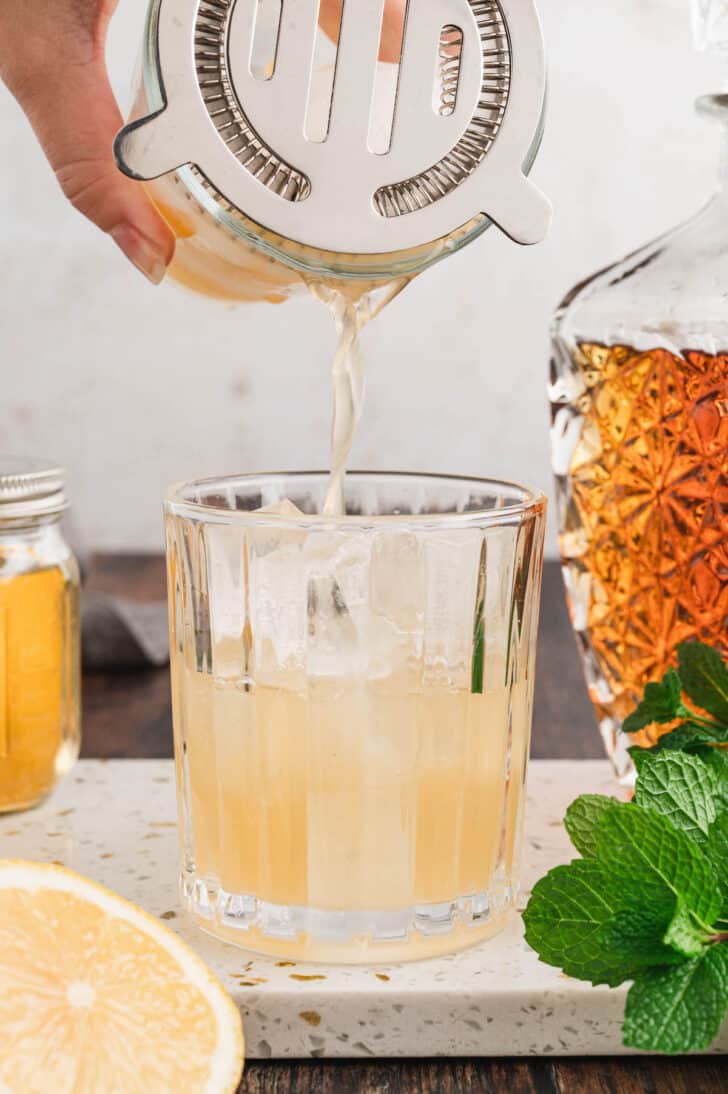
x: 76, y: 118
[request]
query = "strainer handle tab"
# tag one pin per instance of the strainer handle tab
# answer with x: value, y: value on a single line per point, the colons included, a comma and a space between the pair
x: 521, y: 211
x: 150, y: 147
x: 158, y: 143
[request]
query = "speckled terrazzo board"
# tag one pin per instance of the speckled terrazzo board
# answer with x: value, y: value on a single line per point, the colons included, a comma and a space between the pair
x: 115, y: 822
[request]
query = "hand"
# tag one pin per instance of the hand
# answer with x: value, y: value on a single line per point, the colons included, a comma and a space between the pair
x: 52, y: 60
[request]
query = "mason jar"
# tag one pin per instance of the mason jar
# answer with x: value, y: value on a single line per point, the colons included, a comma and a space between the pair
x: 39, y: 635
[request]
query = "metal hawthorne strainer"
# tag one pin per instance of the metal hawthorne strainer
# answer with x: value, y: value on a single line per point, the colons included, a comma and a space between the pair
x: 454, y: 145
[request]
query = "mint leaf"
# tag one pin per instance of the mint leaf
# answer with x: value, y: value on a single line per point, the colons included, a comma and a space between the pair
x: 681, y: 787
x: 717, y: 760
x: 575, y: 920
x: 639, y: 934
x: 662, y: 703
x: 684, y: 934
x: 653, y: 862
x: 639, y: 756
x: 478, y: 663
x: 704, y: 678
x: 707, y: 744
x: 685, y: 738
x: 689, y: 737
x: 563, y: 918
x: 678, y: 1009
x: 581, y: 820
x: 717, y: 850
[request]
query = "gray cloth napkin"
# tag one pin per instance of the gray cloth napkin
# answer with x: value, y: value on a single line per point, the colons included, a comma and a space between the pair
x: 119, y: 634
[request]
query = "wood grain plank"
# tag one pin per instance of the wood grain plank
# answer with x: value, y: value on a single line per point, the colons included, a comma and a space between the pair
x: 593, y: 1075
x: 402, y: 1077
x: 641, y: 1075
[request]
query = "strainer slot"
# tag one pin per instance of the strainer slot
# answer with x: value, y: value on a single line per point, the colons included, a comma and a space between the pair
x: 323, y: 75
x: 447, y: 71
x: 264, y: 46
x: 384, y: 95
x: 213, y: 77
x: 409, y: 195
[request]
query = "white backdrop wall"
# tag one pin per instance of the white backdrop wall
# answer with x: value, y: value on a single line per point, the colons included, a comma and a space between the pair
x: 134, y: 387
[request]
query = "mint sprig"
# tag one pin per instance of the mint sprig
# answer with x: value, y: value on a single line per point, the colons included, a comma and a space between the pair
x: 648, y: 899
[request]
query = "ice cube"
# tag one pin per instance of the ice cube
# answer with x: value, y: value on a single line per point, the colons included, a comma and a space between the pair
x: 333, y: 647
x: 282, y: 508
x: 397, y: 579
x: 277, y: 602
x: 395, y: 626
x: 225, y: 577
x: 451, y: 603
x: 307, y: 591
x: 337, y: 568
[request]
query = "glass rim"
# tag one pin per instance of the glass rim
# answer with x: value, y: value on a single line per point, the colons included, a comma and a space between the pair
x: 533, y: 501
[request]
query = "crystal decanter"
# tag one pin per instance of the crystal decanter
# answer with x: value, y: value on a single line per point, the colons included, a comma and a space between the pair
x: 639, y: 394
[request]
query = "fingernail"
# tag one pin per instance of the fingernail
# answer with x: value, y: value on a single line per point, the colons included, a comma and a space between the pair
x: 140, y: 251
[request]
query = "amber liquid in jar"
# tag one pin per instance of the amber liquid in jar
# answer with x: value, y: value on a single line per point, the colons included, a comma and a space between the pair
x: 647, y: 525
x: 39, y: 636
x: 38, y: 685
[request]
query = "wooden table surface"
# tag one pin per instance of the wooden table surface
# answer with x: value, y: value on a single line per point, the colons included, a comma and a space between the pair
x: 128, y: 715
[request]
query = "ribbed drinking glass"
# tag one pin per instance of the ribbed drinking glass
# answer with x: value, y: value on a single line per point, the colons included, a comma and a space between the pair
x: 352, y: 709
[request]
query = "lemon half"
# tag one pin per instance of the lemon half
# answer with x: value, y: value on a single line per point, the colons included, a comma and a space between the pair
x: 97, y: 996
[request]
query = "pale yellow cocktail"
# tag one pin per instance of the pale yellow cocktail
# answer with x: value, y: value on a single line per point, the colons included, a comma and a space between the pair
x: 351, y: 768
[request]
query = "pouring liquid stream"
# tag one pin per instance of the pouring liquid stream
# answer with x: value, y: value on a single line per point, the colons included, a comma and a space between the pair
x: 351, y: 312
x: 213, y: 264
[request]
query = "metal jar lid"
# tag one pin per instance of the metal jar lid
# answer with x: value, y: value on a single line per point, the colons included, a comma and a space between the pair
x: 30, y: 488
